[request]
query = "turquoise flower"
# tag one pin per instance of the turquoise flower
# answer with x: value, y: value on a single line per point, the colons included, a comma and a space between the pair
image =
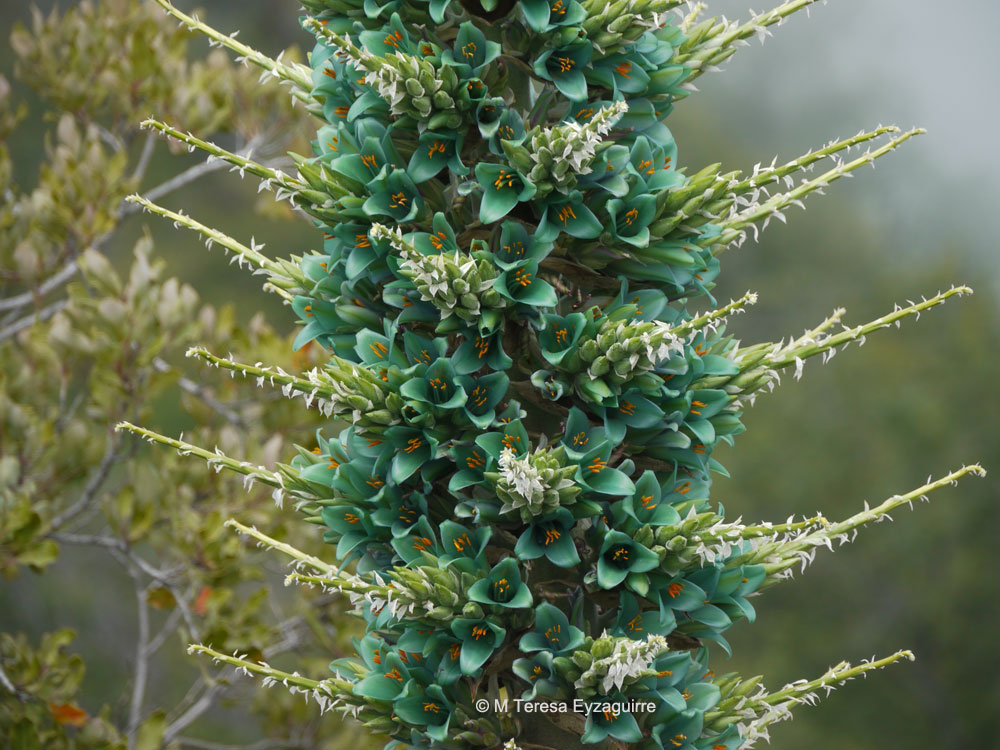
x: 488, y: 115
x: 429, y: 708
x: 502, y: 587
x: 434, y: 152
x: 510, y: 129
x: 581, y: 439
x: 633, y: 412
x: 646, y: 506
x: 349, y: 527
x: 559, y: 338
x: 552, y: 632
x: 418, y: 545
x: 391, y: 38
x: 517, y: 246
x: 521, y: 284
x: 637, y: 623
x: 565, y: 68
x: 595, y: 475
x: 485, y: 393
x: 440, y: 240
x: 622, y: 73
x: 678, y: 594
x: 503, y: 188
x: 437, y: 389
x: 373, y: 158
x: 471, y: 52
x: 655, y: 165
x: 631, y: 216
x: 552, y: 386
x: 472, y: 462
x: 680, y: 733
x: 569, y: 215
x: 478, y: 351
x: 543, y: 15
x: 395, y: 196
x: 621, y: 558
x: 412, y: 449
x: 549, y: 537
x: 461, y: 546
x: 538, y: 672
x: 385, y: 683
x: 603, y: 724
x: 608, y: 172
x: 479, y: 639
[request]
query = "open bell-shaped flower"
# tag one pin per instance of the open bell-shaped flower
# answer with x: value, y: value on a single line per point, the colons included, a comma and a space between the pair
x: 502, y: 587
x: 620, y: 557
x: 429, y: 708
x: 552, y: 632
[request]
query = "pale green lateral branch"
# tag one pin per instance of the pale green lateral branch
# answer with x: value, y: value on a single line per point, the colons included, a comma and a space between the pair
x: 747, y: 702
x: 734, y: 228
x: 332, y: 692
x: 779, y: 557
x: 297, y: 75
x: 423, y: 592
x: 803, y: 348
x: 340, y: 388
x: 286, y: 187
x: 278, y: 281
x: 760, y: 363
x: 216, y: 459
x: 286, y: 549
x: 711, y: 195
x: 367, y: 60
x: 770, y: 175
x: 712, y: 42
x: 715, y: 317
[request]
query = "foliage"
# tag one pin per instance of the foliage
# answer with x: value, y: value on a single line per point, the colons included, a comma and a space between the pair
x: 83, y: 346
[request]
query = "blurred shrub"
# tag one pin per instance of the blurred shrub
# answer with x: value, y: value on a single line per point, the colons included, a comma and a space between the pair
x: 84, y: 344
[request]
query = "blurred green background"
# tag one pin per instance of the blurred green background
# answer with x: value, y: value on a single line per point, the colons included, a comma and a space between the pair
x: 873, y: 422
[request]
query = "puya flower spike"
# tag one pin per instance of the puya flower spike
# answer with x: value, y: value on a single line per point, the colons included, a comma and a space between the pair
x: 507, y: 270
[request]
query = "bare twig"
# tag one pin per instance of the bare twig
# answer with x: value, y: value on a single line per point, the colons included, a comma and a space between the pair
x: 180, y: 180
x: 21, y: 300
x: 147, y: 153
x: 114, y: 442
x: 193, y: 713
x: 119, y: 547
x: 193, y: 694
x: 29, y: 320
x: 211, y: 690
x: 9, y: 685
x: 125, y: 209
x: 169, y: 627
x: 141, y: 662
x: 196, y: 744
x: 188, y: 385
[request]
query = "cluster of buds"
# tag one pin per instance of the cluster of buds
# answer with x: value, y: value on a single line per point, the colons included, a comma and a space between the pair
x: 624, y: 351
x: 616, y: 663
x: 536, y: 484
x: 613, y: 26
x: 558, y: 155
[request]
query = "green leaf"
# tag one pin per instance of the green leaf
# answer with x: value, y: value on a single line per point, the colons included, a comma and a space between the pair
x: 149, y: 736
x: 40, y: 555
